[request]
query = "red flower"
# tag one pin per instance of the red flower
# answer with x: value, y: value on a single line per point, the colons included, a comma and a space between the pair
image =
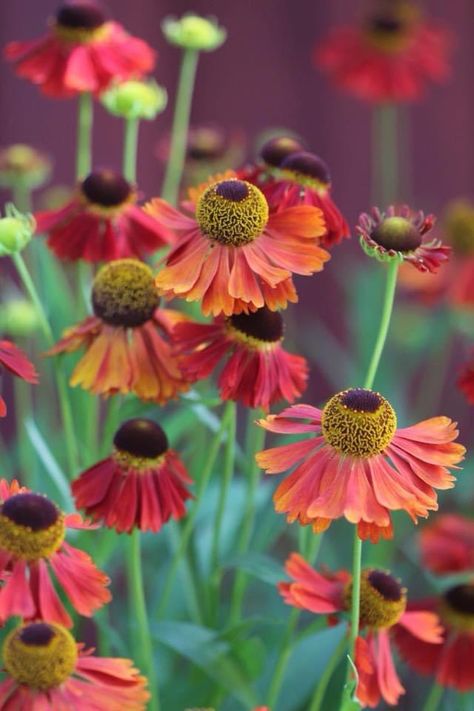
x: 359, y: 465
x: 447, y: 544
x: 232, y: 254
x: 141, y: 485
x: 299, y: 178
x: 81, y: 52
x: 16, y: 362
x: 466, y: 378
x: 47, y: 670
x: 382, y: 613
x: 125, y: 341
x: 32, y: 544
x: 392, y: 58
x: 399, y: 233
x: 451, y: 662
x: 258, y: 371
x: 101, y: 222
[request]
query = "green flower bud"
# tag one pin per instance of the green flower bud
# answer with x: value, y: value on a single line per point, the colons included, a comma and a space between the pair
x: 135, y: 99
x: 23, y: 166
x: 194, y: 32
x: 16, y: 231
x: 19, y: 318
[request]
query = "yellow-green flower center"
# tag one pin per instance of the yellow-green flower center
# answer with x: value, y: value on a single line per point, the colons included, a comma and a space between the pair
x: 232, y: 212
x: 359, y: 422
x: 124, y: 293
x: 397, y: 233
x: 382, y: 599
x: 31, y: 526
x: 40, y: 655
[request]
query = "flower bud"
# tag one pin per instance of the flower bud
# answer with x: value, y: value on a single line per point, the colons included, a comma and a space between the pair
x: 23, y: 166
x: 16, y: 230
x: 194, y: 32
x: 135, y: 99
x: 19, y: 318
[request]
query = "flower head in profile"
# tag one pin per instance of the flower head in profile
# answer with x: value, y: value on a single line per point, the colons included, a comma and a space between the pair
x: 357, y: 464
x: 289, y: 176
x: 101, y: 222
x: 16, y: 231
x: 15, y: 362
x: 383, y: 611
x: 141, y: 485
x: 82, y: 51
x: 447, y: 544
x: 32, y: 546
x: 257, y: 372
x: 392, y: 57
x: 126, y: 340
x: 135, y: 99
x: 399, y: 234
x: 191, y: 31
x: 23, y: 166
x: 45, y: 668
x: 232, y: 254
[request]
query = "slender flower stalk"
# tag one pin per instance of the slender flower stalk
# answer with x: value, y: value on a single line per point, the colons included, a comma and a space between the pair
x: 65, y: 406
x: 254, y: 443
x: 142, y: 642
x: 433, y: 700
x: 392, y: 271
x: 385, y: 139
x: 179, y: 131
x: 130, y: 149
x: 84, y: 135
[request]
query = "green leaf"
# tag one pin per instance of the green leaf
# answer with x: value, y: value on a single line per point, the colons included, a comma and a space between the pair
x: 260, y: 566
x: 54, y: 471
x: 207, y: 651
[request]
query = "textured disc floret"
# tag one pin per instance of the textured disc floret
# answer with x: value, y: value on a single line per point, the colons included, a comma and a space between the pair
x: 232, y: 212
x: 261, y: 325
x: 124, y: 293
x: 141, y: 438
x: 274, y: 151
x: 106, y: 188
x: 397, y: 233
x: 31, y: 526
x: 80, y: 16
x: 306, y: 168
x: 457, y: 607
x: 382, y: 599
x: 40, y: 655
x: 359, y: 422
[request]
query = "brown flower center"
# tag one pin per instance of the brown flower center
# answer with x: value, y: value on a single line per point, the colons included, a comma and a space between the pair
x: 359, y: 422
x: 31, y: 526
x: 262, y: 325
x: 80, y: 16
x: 397, y: 233
x: 124, y: 293
x: 141, y: 438
x: 457, y: 607
x: 277, y: 149
x: 232, y: 212
x: 106, y: 188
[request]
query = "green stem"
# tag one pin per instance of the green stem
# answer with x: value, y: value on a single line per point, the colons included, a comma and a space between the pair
x: 179, y: 131
x: 228, y: 471
x: 254, y: 443
x: 142, y: 643
x: 110, y: 423
x: 84, y: 135
x: 391, y: 284
x: 434, y: 698
x: 191, y: 519
x: 385, y: 133
x: 329, y: 670
x: 130, y: 147
x: 64, y: 404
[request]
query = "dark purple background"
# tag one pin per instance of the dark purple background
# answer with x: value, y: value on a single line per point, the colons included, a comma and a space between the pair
x: 261, y: 77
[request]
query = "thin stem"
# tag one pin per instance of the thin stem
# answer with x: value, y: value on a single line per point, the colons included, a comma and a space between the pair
x: 434, y: 698
x: 391, y: 284
x: 84, y: 135
x: 355, y: 607
x: 110, y: 423
x: 130, y: 147
x: 254, y: 443
x: 228, y: 471
x: 329, y: 670
x: 385, y: 133
x: 142, y: 643
x: 191, y: 518
x: 179, y: 131
x: 64, y: 404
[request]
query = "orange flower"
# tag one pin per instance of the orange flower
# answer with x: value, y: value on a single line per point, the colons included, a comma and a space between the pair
x: 47, y: 670
x: 383, y: 611
x: 125, y: 341
x: 359, y: 465
x: 232, y: 254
